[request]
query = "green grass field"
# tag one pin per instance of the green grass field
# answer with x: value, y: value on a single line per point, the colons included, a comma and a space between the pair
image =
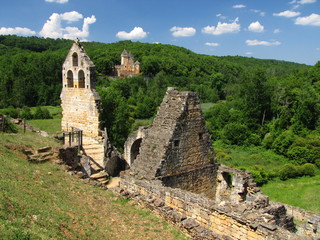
x: 300, y: 192
x: 42, y: 201
x: 51, y: 126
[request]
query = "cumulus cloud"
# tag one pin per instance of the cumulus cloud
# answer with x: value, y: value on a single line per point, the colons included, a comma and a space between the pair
x: 71, y: 16
x: 17, y: 31
x: 287, y: 14
x: 262, y: 43
x: 223, y: 28
x: 312, y: 20
x: 277, y: 30
x: 239, y: 6
x: 53, y: 27
x: 256, y: 27
x: 183, y: 31
x: 136, y: 33
x: 212, y: 44
x: 58, y: 1
x: 249, y: 53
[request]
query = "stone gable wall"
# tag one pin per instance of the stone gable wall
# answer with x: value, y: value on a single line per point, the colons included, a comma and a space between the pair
x: 80, y: 101
x: 177, y: 141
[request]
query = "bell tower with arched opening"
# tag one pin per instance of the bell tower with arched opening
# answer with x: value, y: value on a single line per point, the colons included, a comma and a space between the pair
x: 79, y: 99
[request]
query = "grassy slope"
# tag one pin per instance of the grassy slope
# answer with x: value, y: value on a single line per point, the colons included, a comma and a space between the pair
x: 43, y: 202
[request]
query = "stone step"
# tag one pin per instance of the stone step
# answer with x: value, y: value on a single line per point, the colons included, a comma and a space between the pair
x: 99, y: 175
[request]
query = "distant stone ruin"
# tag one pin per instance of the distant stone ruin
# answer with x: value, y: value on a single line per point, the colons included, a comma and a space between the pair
x: 128, y: 67
x: 80, y: 101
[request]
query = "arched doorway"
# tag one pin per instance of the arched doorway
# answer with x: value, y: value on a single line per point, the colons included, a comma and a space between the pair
x: 70, y: 79
x: 135, y: 150
x: 81, y: 79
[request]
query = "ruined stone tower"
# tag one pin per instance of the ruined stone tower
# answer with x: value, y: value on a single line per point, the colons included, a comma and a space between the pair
x: 79, y: 98
x: 177, y: 148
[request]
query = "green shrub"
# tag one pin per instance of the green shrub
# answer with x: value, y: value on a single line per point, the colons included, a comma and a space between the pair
x: 253, y: 139
x: 42, y: 113
x: 10, y: 112
x: 235, y: 133
x: 268, y: 140
x: 9, y: 126
x: 282, y: 143
x: 300, y: 155
x: 308, y: 169
x: 260, y: 177
x: 288, y: 171
x: 317, y: 162
x: 223, y: 157
x: 26, y: 113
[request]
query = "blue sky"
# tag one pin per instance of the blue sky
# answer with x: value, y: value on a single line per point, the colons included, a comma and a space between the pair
x: 269, y: 29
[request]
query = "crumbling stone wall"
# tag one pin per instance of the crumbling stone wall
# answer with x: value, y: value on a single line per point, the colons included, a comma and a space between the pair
x: 177, y: 146
x: 205, y: 218
x: 80, y: 101
x: 234, y: 185
x: 132, y: 145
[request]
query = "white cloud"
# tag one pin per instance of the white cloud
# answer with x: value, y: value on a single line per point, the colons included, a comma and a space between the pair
x: 318, y: 49
x: 277, y: 30
x: 58, y: 1
x: 312, y: 20
x: 307, y: 1
x: 212, y: 44
x: 262, y: 43
x: 261, y: 13
x: 16, y: 31
x: 183, y: 31
x: 71, y: 16
x: 239, y: 6
x: 249, y: 53
x: 53, y: 27
x: 223, y: 28
x: 256, y: 27
x: 287, y: 14
x: 136, y: 33
x: 221, y: 16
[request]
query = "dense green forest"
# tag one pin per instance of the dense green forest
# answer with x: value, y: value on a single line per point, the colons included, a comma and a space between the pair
x: 267, y: 103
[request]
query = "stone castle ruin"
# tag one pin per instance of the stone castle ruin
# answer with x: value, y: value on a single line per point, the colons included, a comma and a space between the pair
x: 128, y: 67
x: 172, y: 167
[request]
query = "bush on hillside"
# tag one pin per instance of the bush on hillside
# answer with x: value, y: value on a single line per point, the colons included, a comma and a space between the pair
x: 26, y: 113
x: 10, y: 112
x: 282, y: 143
x: 235, y: 133
x: 42, y: 113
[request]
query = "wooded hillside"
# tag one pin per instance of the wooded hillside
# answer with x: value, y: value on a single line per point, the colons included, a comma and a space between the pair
x: 269, y: 103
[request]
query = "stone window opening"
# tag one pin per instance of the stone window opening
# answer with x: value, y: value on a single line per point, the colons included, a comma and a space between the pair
x: 176, y: 143
x: 228, y: 177
x: 81, y: 79
x: 75, y: 60
x: 200, y: 136
x: 70, y: 79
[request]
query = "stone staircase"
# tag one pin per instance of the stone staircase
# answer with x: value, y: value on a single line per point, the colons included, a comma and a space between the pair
x: 94, y: 149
